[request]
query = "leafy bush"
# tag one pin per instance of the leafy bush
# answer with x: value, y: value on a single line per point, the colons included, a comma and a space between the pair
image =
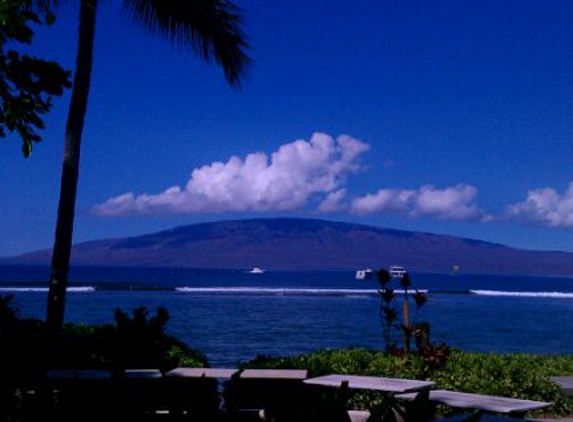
x: 138, y: 341
x: 511, y: 375
x: 28, y: 348
x: 27, y: 84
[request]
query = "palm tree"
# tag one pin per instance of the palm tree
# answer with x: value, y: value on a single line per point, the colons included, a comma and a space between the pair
x: 209, y: 28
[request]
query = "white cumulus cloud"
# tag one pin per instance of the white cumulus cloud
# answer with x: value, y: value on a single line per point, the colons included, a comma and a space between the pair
x: 284, y: 181
x: 546, y: 207
x: 452, y: 203
x: 333, y: 202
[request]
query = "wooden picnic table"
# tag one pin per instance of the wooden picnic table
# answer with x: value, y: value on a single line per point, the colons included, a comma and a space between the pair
x: 144, y: 374
x: 77, y: 393
x: 387, y: 385
x: 566, y: 384
x: 254, y: 391
x: 71, y: 374
x: 483, y: 418
x: 217, y: 373
x: 482, y: 402
x: 274, y: 374
x: 195, y: 392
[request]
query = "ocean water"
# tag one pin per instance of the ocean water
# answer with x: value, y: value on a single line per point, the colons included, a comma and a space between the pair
x: 233, y: 316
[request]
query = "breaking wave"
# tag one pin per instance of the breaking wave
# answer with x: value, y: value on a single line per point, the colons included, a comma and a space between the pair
x: 282, y: 291
x: 554, y: 295
x: 80, y: 289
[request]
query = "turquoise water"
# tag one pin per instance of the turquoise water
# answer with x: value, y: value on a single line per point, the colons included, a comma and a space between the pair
x: 233, y: 316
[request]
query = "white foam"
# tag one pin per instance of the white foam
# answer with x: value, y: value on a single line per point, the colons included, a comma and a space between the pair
x: 282, y: 291
x: 82, y: 289
x: 556, y: 295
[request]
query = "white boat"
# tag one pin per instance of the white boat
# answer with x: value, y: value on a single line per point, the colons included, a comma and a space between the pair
x: 256, y: 270
x: 397, y: 271
x: 364, y: 274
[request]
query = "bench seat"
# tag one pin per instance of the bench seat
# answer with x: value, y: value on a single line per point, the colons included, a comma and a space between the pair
x: 482, y: 402
x: 566, y: 384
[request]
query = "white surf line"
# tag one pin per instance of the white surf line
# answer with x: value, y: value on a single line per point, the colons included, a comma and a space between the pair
x: 557, y: 295
x: 83, y: 289
x: 277, y: 290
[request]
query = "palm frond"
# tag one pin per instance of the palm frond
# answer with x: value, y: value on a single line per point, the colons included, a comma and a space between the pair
x: 210, y: 28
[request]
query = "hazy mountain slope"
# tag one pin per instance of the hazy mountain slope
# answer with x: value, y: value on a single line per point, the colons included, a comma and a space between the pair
x: 303, y: 244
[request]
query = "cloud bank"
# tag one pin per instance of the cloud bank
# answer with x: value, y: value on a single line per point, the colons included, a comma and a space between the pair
x: 545, y: 207
x: 452, y: 203
x: 283, y: 182
x: 313, y: 174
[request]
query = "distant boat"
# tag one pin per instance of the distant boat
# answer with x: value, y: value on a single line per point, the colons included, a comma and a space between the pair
x: 256, y: 270
x: 397, y: 271
x: 455, y: 270
x: 364, y: 274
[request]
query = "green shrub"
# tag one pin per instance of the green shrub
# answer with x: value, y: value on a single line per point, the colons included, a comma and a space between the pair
x: 512, y: 375
x: 28, y: 348
x: 137, y: 341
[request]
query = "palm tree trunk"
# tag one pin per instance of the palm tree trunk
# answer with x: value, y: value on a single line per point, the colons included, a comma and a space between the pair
x: 70, y: 168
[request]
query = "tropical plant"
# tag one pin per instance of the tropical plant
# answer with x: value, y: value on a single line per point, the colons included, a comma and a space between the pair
x: 209, y: 28
x: 27, y: 83
x: 28, y: 349
x: 390, y: 316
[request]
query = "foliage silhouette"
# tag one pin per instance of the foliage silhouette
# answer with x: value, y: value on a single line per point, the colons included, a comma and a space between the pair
x: 28, y: 349
x: 390, y: 316
x: 27, y: 84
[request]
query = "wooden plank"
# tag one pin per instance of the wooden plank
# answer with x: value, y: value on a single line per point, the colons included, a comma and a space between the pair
x: 566, y: 384
x: 389, y: 385
x: 496, y: 404
x: 483, y: 418
x: 78, y: 374
x: 277, y: 374
x: 201, y: 372
x: 142, y: 373
x: 358, y: 415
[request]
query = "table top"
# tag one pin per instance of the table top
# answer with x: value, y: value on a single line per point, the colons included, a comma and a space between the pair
x: 76, y: 374
x: 566, y: 384
x: 277, y: 374
x: 201, y: 373
x: 142, y: 373
x: 390, y: 385
x: 484, y: 418
x: 484, y: 402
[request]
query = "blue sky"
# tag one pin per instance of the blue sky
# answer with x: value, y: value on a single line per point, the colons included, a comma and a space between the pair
x: 451, y: 117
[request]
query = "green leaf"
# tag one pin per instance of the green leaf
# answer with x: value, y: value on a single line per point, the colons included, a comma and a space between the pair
x: 27, y: 149
x: 50, y: 18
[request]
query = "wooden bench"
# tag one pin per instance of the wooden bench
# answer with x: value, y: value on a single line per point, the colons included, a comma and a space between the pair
x: 195, y: 392
x: 481, y: 402
x: 484, y: 417
x: 386, y: 386
x: 390, y: 386
x: 252, y: 391
x: 566, y: 384
x: 358, y: 415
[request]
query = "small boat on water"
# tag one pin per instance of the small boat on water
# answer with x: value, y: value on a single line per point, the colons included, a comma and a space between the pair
x: 256, y: 270
x: 364, y: 274
x: 397, y: 271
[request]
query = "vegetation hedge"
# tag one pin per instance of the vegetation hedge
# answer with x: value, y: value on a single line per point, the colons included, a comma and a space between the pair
x: 28, y: 348
x: 522, y: 376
